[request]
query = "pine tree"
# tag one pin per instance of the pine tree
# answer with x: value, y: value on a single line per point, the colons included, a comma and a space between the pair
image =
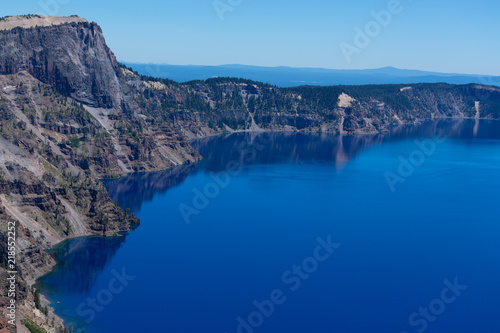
x: 37, y: 299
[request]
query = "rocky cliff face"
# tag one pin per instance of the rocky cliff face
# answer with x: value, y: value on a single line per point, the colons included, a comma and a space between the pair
x: 52, y: 150
x: 68, y: 117
x: 67, y: 82
x: 225, y: 105
x: 73, y: 57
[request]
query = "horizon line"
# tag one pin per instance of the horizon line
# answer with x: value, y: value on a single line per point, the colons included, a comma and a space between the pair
x: 316, y: 68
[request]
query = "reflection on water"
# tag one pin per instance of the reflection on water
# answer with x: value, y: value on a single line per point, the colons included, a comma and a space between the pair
x: 287, y: 148
x: 91, y: 253
x: 273, y: 148
x: 81, y: 261
x: 131, y: 191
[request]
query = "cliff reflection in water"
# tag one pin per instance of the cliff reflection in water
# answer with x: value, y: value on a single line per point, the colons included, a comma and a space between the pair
x: 91, y: 253
x: 131, y: 191
x: 286, y: 148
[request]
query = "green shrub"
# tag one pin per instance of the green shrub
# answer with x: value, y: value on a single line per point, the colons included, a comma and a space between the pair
x: 32, y: 327
x: 75, y: 141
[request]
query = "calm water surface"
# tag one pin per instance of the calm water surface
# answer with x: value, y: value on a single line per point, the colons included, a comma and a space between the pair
x: 413, y: 215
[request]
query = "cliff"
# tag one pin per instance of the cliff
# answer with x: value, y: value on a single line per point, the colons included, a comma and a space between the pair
x: 71, y: 56
x: 223, y: 105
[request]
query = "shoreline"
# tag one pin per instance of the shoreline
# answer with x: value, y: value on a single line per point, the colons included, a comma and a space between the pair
x: 46, y: 301
x: 191, y: 139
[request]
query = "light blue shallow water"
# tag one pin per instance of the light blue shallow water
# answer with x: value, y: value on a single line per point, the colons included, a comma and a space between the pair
x: 400, y: 261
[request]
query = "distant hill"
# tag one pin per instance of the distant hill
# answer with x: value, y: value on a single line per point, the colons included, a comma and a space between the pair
x: 292, y: 77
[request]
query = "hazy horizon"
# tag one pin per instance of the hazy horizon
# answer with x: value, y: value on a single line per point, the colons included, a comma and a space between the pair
x: 300, y: 67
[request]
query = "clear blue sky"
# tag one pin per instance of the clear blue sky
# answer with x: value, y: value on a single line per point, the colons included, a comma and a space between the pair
x: 459, y: 36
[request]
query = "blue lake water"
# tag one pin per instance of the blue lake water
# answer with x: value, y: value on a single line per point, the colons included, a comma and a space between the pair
x: 397, y: 232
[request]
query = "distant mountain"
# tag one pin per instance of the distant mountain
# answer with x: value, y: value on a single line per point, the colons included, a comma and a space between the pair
x: 292, y: 77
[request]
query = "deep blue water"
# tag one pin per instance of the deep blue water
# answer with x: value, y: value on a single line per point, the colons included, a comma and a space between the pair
x: 393, y: 246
